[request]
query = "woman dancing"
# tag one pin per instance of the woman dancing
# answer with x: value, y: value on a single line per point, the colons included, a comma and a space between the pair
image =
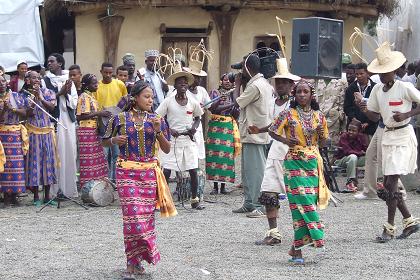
x: 93, y: 165
x: 223, y: 143
x: 140, y: 181
x: 306, y: 129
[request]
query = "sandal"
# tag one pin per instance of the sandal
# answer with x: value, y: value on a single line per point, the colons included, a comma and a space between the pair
x: 297, y: 261
x: 139, y: 269
x: 128, y: 276
x: 411, y: 225
x: 388, y: 234
x: 272, y: 237
x: 37, y: 203
x: 195, y: 204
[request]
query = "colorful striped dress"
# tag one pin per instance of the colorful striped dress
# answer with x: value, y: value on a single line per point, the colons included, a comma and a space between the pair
x: 222, y: 145
x: 14, y: 138
x: 304, y: 179
x: 141, y: 185
x: 93, y: 165
x: 42, y: 159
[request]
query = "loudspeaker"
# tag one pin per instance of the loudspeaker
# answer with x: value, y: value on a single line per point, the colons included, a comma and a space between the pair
x: 316, y: 47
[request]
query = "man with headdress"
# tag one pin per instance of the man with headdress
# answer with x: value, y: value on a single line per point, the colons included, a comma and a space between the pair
x: 183, y: 116
x: 392, y: 100
x: 130, y: 63
x: 200, y: 94
x: 155, y: 80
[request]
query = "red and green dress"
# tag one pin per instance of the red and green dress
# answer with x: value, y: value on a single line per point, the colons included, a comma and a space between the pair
x: 304, y: 179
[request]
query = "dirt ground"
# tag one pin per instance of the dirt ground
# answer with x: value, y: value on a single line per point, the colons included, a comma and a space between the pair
x: 73, y: 243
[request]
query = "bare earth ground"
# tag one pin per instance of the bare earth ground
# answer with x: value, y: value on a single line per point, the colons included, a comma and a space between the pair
x: 72, y: 243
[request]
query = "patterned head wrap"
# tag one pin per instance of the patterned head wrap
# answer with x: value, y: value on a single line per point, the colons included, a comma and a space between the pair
x: 149, y: 53
x: 129, y: 58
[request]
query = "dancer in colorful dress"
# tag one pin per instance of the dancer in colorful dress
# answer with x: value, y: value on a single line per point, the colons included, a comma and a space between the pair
x: 140, y: 181
x: 272, y: 187
x: 223, y: 141
x: 14, y: 138
x: 42, y: 159
x: 91, y: 154
x: 305, y: 127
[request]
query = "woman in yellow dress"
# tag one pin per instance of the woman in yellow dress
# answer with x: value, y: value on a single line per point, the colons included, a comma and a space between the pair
x: 306, y: 130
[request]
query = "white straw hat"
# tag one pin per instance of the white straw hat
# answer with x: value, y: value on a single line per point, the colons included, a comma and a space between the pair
x: 177, y: 73
x: 386, y: 60
x: 283, y: 71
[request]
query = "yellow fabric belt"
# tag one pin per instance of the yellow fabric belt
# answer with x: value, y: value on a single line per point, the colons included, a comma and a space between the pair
x: 23, y: 134
x: 45, y: 130
x: 2, y: 158
x: 88, y: 123
x: 164, y: 198
x: 236, y: 136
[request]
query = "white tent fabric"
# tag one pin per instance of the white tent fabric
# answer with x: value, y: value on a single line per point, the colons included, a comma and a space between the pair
x: 20, y: 33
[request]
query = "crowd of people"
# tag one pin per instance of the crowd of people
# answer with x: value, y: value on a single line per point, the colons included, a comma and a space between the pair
x: 134, y: 128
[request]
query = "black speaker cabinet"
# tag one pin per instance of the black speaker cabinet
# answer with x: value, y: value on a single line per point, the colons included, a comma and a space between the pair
x: 316, y: 47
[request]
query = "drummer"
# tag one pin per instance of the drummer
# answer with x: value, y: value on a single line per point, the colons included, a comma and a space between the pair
x: 91, y: 154
x: 140, y: 181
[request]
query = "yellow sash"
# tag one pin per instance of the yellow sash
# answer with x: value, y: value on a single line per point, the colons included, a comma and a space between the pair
x: 88, y: 123
x: 164, y: 198
x: 45, y: 130
x: 324, y: 194
x: 23, y: 134
x: 236, y: 136
x: 2, y: 158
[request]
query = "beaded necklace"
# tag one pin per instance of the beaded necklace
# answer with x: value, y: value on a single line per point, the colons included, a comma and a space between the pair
x: 306, y: 121
x: 139, y: 126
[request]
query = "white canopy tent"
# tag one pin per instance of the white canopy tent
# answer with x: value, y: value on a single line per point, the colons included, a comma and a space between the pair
x: 20, y: 33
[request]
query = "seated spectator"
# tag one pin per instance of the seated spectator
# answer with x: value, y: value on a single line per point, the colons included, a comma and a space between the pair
x: 351, y: 153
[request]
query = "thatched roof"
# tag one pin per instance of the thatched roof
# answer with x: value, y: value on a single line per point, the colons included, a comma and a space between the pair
x: 363, y: 8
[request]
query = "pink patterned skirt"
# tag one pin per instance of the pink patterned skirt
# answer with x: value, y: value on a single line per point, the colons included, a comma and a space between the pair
x: 93, y: 165
x: 137, y: 192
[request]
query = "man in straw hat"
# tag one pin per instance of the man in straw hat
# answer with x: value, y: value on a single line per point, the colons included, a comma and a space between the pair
x: 156, y: 82
x: 183, y: 115
x: 255, y: 103
x: 393, y: 101
x: 200, y: 95
x: 272, y: 187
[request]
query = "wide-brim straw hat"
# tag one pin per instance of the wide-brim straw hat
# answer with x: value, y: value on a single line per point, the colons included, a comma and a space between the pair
x: 283, y: 71
x: 178, y: 72
x: 195, y: 68
x: 386, y: 60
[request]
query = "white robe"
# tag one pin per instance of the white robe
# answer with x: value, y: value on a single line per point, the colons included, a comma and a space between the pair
x: 66, y: 139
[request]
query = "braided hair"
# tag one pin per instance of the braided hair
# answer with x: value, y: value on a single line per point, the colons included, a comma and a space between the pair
x: 86, y: 80
x: 314, y: 103
x: 136, y: 89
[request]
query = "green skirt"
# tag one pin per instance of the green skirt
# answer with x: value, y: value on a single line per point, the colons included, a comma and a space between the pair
x: 220, y: 150
x: 301, y: 180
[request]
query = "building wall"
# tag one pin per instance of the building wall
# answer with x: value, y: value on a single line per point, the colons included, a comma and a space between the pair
x: 140, y: 31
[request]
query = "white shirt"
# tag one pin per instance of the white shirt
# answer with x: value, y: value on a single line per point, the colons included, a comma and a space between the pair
x: 399, y: 98
x: 278, y: 150
x: 180, y: 118
x: 410, y: 78
x: 156, y: 81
